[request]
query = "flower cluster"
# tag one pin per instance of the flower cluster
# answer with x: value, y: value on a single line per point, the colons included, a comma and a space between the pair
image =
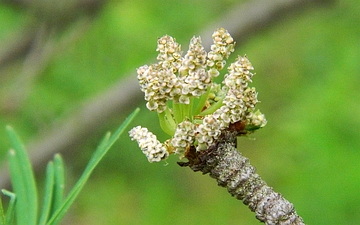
x: 193, y: 75
x: 221, y: 49
x: 149, y: 144
x: 183, y: 137
x: 202, y: 109
x: 159, y: 85
x: 169, y: 53
x: 208, y: 131
x: 240, y: 99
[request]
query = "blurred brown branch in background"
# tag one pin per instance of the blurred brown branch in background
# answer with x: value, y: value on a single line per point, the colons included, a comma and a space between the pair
x: 242, y: 22
x: 53, y: 15
x: 36, y: 58
x: 35, y: 44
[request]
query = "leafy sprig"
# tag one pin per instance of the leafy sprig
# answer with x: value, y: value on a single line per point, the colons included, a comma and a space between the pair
x: 23, y: 206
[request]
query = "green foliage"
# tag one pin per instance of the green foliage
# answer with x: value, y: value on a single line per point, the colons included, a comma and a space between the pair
x: 22, y: 178
x: 54, y: 205
x: 10, y: 213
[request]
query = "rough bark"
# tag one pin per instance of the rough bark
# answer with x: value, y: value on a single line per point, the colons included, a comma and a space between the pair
x: 232, y: 170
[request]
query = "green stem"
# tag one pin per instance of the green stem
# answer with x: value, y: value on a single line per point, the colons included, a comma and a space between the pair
x: 167, y: 123
x: 182, y: 111
x: 213, y: 107
x: 187, y: 109
x: 178, y: 112
x: 201, y: 102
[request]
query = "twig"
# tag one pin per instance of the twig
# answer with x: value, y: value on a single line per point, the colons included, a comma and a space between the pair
x: 232, y: 170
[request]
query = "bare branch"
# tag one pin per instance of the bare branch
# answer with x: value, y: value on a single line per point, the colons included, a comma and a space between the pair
x: 232, y: 170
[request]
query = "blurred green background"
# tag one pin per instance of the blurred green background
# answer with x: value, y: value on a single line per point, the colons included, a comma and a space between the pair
x: 307, y: 75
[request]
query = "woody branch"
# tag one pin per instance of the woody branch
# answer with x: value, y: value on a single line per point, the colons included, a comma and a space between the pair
x: 232, y: 170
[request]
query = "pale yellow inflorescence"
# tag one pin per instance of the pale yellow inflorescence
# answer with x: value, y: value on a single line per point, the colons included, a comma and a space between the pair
x: 169, y: 56
x: 193, y: 74
x: 240, y: 99
x: 149, y: 144
x: 179, y: 78
x: 221, y: 49
x: 159, y: 85
x: 184, y: 137
x: 208, y: 131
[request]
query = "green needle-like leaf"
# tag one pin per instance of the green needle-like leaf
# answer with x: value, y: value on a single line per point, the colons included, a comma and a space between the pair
x: 2, y: 214
x: 95, y: 159
x: 10, y: 212
x: 48, y: 194
x: 59, y: 185
x: 200, y: 102
x: 22, y: 177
